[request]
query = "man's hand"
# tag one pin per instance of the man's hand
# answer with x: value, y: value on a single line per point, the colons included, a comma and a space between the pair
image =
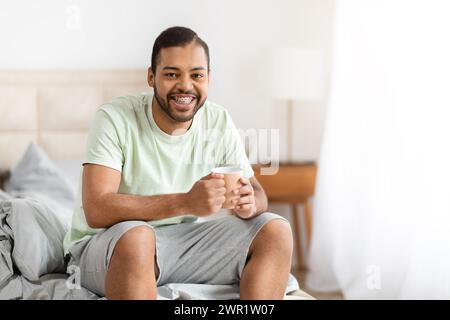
x: 207, y: 195
x: 245, y: 205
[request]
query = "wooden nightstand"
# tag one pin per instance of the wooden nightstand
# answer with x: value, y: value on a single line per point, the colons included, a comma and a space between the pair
x: 294, y: 184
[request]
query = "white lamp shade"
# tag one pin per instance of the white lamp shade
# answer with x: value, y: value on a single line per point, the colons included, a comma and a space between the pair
x: 297, y: 74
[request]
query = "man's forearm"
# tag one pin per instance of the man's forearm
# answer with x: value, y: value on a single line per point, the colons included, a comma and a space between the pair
x: 112, y: 208
x: 260, y: 201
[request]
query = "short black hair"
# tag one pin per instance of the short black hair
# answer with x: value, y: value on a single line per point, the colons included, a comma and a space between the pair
x: 176, y: 37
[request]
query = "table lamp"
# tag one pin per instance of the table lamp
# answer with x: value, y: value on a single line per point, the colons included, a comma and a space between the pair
x: 296, y: 75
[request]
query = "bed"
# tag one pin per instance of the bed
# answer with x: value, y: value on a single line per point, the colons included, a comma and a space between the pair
x: 44, y: 120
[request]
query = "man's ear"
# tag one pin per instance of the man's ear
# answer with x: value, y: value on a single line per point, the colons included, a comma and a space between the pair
x: 150, y: 78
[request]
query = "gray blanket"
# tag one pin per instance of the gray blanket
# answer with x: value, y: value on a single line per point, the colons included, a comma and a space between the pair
x: 31, y: 253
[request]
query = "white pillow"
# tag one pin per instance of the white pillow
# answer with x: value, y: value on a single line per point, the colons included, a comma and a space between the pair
x: 37, y: 177
x: 71, y: 169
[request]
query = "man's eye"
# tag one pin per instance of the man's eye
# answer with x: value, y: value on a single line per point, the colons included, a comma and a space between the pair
x: 198, y: 75
x: 171, y: 75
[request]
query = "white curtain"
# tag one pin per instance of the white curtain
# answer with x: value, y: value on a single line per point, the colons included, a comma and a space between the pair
x: 382, y: 206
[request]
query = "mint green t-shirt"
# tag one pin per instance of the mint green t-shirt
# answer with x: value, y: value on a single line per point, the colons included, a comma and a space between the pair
x: 124, y: 136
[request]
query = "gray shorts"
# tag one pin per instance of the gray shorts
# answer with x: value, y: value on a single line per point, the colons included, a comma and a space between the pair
x: 208, y: 252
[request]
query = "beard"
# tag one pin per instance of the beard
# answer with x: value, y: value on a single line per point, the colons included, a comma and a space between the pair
x: 171, y: 113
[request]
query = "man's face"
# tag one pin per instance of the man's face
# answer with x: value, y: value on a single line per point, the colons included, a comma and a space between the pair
x: 180, y: 81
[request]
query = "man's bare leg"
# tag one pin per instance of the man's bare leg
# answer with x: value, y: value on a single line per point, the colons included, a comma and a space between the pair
x: 131, y: 273
x: 269, y: 262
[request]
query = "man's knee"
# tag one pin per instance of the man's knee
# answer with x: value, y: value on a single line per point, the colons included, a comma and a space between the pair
x: 136, y: 247
x: 275, y: 235
x: 133, y: 265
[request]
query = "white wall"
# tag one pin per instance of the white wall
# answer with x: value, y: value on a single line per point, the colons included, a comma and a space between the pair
x: 87, y: 34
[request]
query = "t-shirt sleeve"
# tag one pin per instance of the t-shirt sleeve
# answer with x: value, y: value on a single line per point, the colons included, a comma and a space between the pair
x: 104, y: 145
x: 234, y: 151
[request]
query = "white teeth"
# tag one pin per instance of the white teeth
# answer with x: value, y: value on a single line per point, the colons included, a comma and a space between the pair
x: 183, y: 100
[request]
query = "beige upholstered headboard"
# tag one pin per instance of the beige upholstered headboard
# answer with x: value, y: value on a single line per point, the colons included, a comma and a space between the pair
x: 55, y: 108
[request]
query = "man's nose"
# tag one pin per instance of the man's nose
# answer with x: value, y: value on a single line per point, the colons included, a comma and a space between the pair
x: 185, y: 83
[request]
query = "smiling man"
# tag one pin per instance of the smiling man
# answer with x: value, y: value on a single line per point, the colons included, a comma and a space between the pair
x: 135, y: 227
